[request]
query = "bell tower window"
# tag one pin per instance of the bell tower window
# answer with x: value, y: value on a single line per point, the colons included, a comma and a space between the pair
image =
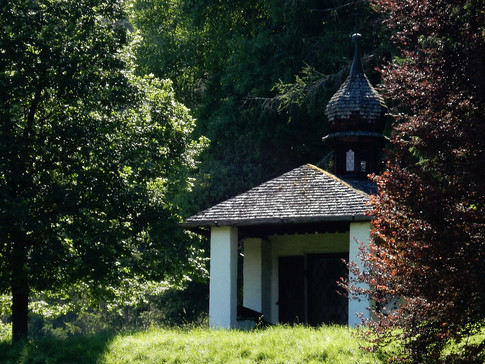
x: 349, y: 161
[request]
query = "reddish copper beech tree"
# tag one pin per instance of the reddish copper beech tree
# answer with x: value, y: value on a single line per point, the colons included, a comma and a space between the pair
x: 425, y: 266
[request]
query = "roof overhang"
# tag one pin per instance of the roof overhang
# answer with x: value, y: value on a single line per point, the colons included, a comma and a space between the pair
x: 279, y: 226
x: 274, y: 221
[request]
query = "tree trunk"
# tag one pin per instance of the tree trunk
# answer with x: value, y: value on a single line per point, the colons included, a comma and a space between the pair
x: 20, y: 292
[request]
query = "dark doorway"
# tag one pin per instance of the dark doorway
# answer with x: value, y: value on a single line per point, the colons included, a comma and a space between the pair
x: 291, y: 288
x: 327, y: 303
x: 315, y: 299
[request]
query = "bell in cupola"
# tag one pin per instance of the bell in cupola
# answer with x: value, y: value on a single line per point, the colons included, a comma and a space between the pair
x: 356, y: 115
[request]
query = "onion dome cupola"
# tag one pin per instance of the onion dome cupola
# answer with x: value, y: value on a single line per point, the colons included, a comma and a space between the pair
x: 356, y: 120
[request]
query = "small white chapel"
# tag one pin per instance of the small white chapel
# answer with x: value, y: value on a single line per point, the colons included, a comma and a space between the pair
x: 293, y: 234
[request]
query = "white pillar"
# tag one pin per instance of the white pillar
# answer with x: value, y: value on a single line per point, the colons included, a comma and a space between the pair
x: 223, y: 277
x: 359, y: 233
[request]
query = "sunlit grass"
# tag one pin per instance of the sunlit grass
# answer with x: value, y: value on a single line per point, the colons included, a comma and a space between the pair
x: 278, y: 344
x: 275, y: 344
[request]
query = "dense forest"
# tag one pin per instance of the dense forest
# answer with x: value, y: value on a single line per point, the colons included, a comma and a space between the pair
x: 257, y: 76
x: 122, y: 118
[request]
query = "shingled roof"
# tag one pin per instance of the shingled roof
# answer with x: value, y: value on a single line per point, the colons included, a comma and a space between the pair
x: 356, y: 98
x: 305, y: 194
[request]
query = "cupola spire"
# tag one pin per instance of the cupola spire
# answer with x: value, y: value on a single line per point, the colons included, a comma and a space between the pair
x: 356, y: 120
x: 356, y: 63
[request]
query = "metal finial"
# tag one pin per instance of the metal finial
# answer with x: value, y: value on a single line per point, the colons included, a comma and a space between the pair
x: 356, y: 63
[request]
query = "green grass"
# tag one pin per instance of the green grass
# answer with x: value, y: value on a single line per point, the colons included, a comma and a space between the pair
x: 75, y: 350
x: 278, y: 344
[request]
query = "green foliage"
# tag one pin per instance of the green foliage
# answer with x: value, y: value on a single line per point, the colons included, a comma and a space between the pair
x: 5, y: 332
x: 93, y: 158
x: 156, y: 304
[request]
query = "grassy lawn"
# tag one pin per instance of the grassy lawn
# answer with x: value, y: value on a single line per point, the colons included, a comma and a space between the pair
x: 278, y: 344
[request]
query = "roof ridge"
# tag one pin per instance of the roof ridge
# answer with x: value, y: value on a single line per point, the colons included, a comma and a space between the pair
x: 337, y: 179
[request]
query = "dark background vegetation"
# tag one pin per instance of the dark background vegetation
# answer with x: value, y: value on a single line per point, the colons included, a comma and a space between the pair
x: 257, y: 76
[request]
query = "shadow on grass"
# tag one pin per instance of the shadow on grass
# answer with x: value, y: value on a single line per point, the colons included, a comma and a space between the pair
x: 83, y: 349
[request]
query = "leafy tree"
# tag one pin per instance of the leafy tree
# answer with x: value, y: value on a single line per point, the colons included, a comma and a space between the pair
x: 91, y: 156
x: 428, y: 248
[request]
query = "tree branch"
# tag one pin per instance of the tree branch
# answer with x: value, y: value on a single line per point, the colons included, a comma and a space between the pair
x: 337, y: 7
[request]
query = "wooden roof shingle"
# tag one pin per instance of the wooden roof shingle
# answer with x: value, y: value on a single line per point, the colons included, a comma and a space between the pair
x: 304, y: 194
x: 356, y: 98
